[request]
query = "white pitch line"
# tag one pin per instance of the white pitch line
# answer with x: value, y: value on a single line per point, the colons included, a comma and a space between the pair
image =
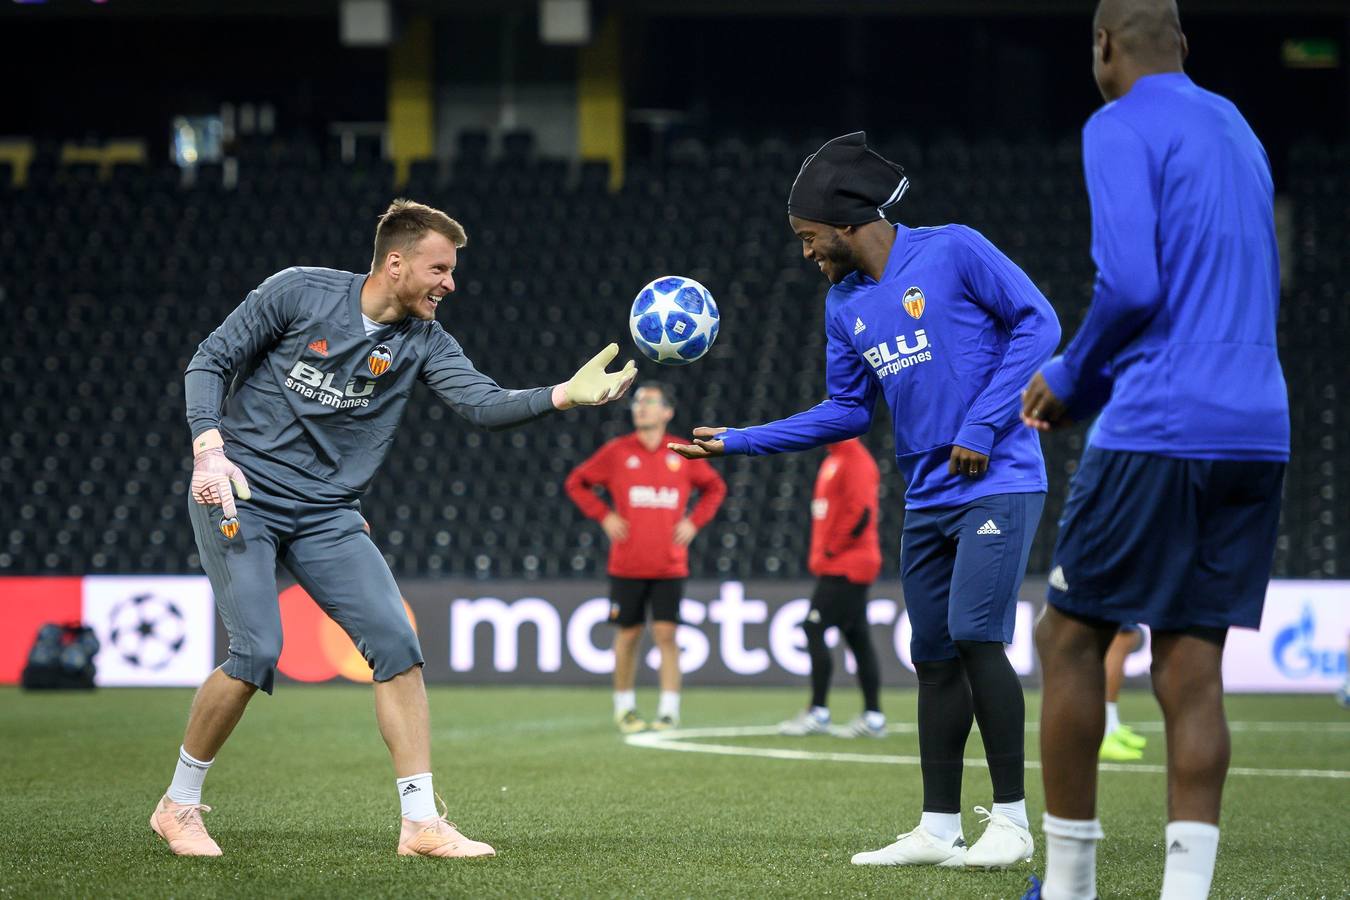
x: 686, y: 741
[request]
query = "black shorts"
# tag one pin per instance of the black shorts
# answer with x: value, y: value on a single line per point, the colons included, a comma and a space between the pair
x: 629, y: 599
x: 838, y: 602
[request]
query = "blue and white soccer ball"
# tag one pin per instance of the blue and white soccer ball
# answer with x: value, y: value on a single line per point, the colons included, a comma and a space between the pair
x: 674, y: 320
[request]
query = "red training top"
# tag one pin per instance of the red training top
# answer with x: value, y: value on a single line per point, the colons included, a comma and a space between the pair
x: 650, y: 489
x: 844, y: 515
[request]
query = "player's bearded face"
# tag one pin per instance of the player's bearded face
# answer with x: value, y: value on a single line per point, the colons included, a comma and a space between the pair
x: 834, y: 256
x: 427, y: 276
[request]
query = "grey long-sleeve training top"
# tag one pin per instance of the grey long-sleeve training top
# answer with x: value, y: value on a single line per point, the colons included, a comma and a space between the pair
x: 313, y: 401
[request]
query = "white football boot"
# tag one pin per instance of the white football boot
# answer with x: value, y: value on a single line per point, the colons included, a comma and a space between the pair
x: 859, y: 728
x: 1004, y: 843
x: 805, y: 723
x: 917, y: 848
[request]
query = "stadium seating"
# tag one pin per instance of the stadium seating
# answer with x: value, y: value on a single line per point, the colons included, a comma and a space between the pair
x: 110, y: 284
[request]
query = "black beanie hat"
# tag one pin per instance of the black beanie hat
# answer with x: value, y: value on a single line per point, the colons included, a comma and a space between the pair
x: 846, y: 183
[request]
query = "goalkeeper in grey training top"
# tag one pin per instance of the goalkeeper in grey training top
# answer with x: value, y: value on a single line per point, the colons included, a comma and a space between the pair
x: 293, y: 402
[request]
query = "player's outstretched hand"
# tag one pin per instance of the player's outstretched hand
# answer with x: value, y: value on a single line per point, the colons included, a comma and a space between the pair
x: 216, y: 480
x: 964, y: 461
x: 705, y: 444
x: 592, y: 385
x: 1041, y: 409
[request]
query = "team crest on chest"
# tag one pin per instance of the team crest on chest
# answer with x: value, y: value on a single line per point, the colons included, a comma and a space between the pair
x: 380, y: 359
x: 914, y: 302
x: 633, y: 462
x: 673, y: 462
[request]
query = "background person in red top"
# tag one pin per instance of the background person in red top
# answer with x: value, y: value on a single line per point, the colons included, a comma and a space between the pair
x: 649, y: 534
x: 846, y: 559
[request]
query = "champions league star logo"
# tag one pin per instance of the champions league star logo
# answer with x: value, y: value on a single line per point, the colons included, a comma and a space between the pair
x: 147, y: 631
x: 380, y: 360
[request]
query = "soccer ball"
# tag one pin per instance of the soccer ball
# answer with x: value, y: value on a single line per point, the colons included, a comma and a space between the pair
x: 674, y: 320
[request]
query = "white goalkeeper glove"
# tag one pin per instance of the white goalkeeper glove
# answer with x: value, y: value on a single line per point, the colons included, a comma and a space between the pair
x: 215, y: 480
x: 592, y: 385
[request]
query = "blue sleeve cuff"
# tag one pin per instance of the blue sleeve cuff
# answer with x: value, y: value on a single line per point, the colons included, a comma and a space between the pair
x: 734, y: 443
x: 1058, y: 379
x: 979, y: 438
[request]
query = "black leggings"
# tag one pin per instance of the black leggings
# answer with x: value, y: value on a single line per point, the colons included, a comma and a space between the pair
x: 859, y: 640
x: 979, y: 684
x: 839, y: 602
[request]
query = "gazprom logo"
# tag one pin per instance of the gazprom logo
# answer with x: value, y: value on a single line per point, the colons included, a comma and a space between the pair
x: 1296, y: 656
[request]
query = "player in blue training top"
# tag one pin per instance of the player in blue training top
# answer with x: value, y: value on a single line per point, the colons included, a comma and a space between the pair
x: 1172, y: 515
x: 948, y: 329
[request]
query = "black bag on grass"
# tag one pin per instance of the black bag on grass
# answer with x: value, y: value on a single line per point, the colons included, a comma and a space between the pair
x: 62, y: 657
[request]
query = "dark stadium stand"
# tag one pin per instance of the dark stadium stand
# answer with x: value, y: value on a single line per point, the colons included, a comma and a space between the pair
x: 126, y: 276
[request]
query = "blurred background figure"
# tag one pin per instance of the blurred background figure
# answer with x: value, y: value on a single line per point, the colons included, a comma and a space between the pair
x: 1120, y: 743
x: 649, y: 531
x: 846, y: 559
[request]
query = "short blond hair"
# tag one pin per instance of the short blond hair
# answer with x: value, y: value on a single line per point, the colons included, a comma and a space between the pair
x: 406, y: 222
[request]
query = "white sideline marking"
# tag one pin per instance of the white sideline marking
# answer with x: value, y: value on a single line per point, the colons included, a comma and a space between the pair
x: 686, y: 740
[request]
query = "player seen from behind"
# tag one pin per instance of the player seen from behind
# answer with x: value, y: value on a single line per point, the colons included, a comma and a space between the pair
x: 1172, y: 515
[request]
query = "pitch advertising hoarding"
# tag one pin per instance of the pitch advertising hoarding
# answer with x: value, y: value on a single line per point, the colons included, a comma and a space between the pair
x: 161, y: 631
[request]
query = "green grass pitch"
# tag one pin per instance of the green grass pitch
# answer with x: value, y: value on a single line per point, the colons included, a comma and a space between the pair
x: 304, y: 804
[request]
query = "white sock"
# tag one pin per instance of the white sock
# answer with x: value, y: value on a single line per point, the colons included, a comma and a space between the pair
x: 821, y: 713
x: 943, y: 826
x: 1112, y: 717
x: 1191, y: 848
x: 417, y: 798
x: 188, y: 776
x: 1016, y: 811
x: 874, y: 719
x: 669, y: 705
x: 624, y: 701
x: 1070, y: 858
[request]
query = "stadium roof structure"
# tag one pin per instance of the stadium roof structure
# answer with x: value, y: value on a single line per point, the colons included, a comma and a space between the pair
x: 691, y: 8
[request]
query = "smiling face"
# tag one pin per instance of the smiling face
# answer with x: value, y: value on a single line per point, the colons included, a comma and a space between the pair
x: 423, y: 275
x: 825, y: 245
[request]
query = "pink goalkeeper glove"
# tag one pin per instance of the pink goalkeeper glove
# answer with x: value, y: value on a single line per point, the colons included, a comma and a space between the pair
x: 213, y: 476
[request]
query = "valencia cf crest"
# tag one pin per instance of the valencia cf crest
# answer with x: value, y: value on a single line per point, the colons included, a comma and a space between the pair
x: 380, y: 360
x: 673, y: 462
x: 914, y: 302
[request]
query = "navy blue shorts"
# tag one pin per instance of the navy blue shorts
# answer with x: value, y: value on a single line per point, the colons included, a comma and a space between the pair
x: 961, y: 568
x: 1173, y: 544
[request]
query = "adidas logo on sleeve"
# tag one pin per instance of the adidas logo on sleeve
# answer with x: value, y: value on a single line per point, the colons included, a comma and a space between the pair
x: 988, y: 528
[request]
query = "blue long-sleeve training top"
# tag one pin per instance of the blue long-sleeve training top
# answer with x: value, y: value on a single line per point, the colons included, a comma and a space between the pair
x: 1181, y: 332
x: 951, y: 334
